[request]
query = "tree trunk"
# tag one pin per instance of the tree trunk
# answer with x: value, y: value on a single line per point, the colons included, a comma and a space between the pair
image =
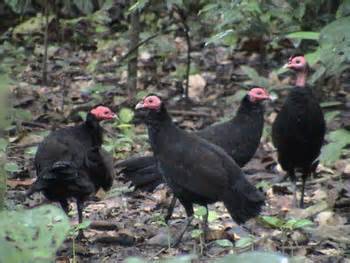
x: 134, y: 38
x: 2, y: 181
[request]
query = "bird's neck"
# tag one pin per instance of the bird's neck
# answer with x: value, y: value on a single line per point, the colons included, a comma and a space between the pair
x: 157, y: 123
x: 301, y: 78
x: 95, y: 130
x: 248, y: 107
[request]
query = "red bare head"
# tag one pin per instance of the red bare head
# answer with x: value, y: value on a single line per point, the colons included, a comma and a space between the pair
x: 151, y: 102
x: 297, y: 63
x: 258, y: 94
x: 103, y: 113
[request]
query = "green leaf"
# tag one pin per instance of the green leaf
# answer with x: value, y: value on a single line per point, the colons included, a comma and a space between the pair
x: 32, y: 235
x: 212, y: 216
x: 224, y: 243
x: 304, y: 35
x: 255, y: 77
x: 335, y: 46
x: 272, y: 221
x: 331, y: 152
x: 3, y: 144
x: 330, y: 115
x: 343, y: 9
x: 31, y: 150
x: 11, y: 167
x: 313, y: 57
x: 328, y: 104
x: 125, y: 115
x: 340, y: 135
x: 141, y: 94
x: 218, y: 37
x: 200, y: 211
x: 138, y: 5
x: 84, y: 6
x: 301, y: 223
x: 196, y: 233
x: 244, y: 242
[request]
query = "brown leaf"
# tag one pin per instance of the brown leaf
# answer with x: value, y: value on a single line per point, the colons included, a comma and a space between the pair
x: 14, y: 183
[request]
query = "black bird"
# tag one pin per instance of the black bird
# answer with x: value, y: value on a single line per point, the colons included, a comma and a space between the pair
x: 299, y: 129
x: 196, y: 170
x: 70, y: 162
x: 239, y: 137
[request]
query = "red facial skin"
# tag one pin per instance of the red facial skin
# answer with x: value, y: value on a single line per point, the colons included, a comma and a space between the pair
x: 103, y: 113
x: 258, y: 94
x: 297, y: 63
x: 151, y: 102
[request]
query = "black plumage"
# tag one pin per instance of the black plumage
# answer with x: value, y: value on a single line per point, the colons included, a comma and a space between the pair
x: 239, y: 137
x: 196, y: 170
x: 299, y: 129
x: 70, y: 162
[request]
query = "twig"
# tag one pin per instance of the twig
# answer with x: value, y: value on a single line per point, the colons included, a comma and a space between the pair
x: 159, y: 252
x: 145, y: 41
x: 44, y: 76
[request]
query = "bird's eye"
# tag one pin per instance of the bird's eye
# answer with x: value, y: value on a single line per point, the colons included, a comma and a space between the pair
x: 106, y: 112
x: 150, y: 101
x: 297, y: 61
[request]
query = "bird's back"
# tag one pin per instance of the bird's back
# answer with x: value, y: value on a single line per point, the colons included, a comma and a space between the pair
x: 201, y: 172
x: 240, y: 136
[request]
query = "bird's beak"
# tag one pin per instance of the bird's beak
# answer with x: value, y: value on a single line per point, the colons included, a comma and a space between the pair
x: 286, y: 65
x: 115, y: 117
x: 139, y: 106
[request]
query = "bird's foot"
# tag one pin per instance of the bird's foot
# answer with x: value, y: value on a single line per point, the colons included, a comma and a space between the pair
x: 178, y: 239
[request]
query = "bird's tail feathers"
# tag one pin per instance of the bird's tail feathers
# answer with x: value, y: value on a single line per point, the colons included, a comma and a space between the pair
x: 244, y: 201
x: 142, y: 172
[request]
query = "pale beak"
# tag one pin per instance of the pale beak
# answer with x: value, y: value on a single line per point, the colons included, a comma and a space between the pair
x: 139, y: 106
x: 286, y: 65
x: 115, y: 117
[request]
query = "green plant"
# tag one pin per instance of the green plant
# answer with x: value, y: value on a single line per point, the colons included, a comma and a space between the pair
x: 32, y: 235
x: 285, y: 225
x: 339, y: 139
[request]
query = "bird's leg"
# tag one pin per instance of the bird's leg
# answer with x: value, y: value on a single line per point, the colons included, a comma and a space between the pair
x: 170, y: 209
x: 65, y: 206
x: 304, y: 177
x: 80, y: 206
x: 179, y: 237
x: 189, y: 212
x: 293, y: 179
x: 205, y: 224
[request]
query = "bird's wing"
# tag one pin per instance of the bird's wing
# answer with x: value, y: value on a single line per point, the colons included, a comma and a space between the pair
x: 54, y: 149
x: 202, y: 170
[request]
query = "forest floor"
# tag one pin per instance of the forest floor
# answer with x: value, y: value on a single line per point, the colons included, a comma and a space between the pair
x: 125, y: 223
